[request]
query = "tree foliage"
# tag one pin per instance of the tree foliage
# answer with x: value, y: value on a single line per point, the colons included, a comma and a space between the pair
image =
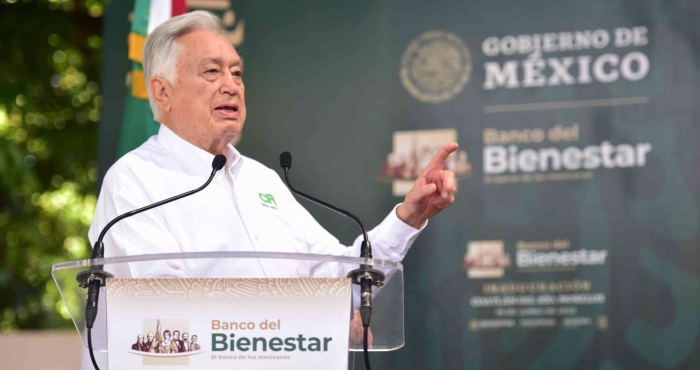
x: 49, y: 109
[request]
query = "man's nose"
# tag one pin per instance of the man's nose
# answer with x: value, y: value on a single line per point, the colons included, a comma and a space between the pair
x: 229, y: 84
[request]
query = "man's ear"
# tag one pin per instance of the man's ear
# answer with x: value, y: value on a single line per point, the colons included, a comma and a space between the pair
x: 159, y: 89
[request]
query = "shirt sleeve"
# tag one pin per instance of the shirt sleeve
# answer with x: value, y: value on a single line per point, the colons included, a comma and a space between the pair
x: 390, y: 240
x: 143, y: 233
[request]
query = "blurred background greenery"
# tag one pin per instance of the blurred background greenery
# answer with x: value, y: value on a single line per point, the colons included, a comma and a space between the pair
x: 49, y: 108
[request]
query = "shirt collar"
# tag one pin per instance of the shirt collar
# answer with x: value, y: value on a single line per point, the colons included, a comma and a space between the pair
x: 191, y: 155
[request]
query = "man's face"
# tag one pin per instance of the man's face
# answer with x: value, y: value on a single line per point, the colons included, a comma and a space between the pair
x: 176, y: 335
x: 194, y: 339
x: 139, y: 339
x: 206, y: 100
x: 150, y: 337
x: 185, y: 336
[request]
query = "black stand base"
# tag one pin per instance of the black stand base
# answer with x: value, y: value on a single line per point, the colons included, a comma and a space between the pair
x: 365, y: 272
x: 85, y: 277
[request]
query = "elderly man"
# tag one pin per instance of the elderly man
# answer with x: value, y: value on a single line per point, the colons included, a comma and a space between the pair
x: 196, y: 91
x: 150, y: 347
x: 139, y: 345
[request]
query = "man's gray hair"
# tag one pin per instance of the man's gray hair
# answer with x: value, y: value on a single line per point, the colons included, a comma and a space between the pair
x: 162, y: 51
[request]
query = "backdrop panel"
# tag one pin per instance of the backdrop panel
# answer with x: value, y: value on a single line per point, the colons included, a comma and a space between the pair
x: 573, y: 242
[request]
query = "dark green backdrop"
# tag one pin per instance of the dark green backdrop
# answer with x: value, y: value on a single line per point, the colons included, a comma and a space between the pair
x: 323, y: 81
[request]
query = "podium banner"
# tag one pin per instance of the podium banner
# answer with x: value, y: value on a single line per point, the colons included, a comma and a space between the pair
x: 228, y: 323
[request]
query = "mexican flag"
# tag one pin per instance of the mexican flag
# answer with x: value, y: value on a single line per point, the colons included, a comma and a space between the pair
x: 138, y: 122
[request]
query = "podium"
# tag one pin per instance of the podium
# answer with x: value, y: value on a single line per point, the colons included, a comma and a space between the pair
x: 288, y: 290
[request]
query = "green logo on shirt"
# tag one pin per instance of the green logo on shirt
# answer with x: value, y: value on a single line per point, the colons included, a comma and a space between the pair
x: 268, y: 200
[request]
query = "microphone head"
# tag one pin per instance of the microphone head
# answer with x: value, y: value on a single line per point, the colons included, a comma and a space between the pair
x: 286, y: 160
x: 218, y: 162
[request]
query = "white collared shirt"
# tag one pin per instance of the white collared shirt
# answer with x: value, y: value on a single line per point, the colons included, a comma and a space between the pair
x: 247, y: 207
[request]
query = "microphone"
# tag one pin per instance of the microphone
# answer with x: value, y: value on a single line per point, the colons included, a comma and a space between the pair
x: 286, y: 164
x: 365, y: 276
x: 96, y: 277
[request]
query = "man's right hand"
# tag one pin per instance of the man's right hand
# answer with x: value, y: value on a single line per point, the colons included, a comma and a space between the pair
x: 357, y: 331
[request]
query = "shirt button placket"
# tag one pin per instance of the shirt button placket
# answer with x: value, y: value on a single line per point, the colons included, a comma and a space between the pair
x: 254, y: 239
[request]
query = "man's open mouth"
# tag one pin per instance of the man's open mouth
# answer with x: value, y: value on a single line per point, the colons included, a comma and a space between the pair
x: 228, y: 108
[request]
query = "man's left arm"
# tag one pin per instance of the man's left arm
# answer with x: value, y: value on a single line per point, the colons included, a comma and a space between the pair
x: 433, y: 191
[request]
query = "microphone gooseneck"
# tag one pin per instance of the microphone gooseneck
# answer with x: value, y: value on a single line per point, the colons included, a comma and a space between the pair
x: 286, y: 164
x: 96, y: 277
x: 364, y: 276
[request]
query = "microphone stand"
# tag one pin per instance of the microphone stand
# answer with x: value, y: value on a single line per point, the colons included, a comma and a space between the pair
x: 365, y: 276
x: 95, y: 278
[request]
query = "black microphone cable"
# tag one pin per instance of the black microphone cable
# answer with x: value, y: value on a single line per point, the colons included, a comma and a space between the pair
x: 365, y: 276
x: 96, y: 277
